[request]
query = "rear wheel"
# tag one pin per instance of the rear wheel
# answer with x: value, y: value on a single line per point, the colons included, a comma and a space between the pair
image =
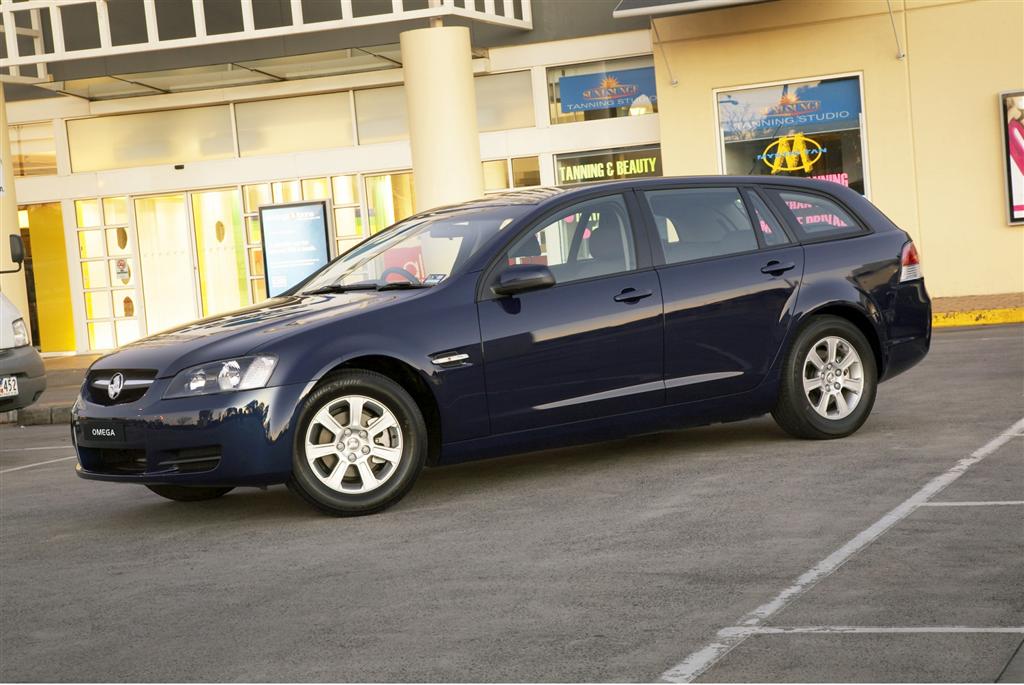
x: 829, y: 381
x: 187, y: 493
x: 360, y: 445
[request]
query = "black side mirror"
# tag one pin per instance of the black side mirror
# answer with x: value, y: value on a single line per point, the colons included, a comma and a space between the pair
x: 523, y: 278
x: 17, y: 254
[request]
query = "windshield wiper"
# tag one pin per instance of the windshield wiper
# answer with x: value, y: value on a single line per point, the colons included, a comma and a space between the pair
x: 404, y: 285
x: 340, y: 288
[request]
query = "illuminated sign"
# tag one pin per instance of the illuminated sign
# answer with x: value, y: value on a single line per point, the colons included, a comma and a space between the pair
x: 608, y: 165
x: 607, y: 89
x: 294, y: 243
x: 808, y: 107
x: 792, y: 153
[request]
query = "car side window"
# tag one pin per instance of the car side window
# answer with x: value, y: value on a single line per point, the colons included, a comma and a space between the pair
x: 817, y: 216
x: 772, y: 232
x: 592, y: 238
x: 697, y: 223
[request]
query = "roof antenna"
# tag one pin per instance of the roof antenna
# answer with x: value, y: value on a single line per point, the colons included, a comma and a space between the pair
x: 673, y: 81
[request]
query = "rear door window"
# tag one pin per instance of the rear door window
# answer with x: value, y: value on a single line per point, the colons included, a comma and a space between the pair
x: 818, y: 217
x: 772, y: 232
x: 698, y: 223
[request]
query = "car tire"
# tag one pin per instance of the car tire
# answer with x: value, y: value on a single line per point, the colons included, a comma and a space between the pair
x: 360, y: 444
x: 829, y: 381
x: 188, y: 493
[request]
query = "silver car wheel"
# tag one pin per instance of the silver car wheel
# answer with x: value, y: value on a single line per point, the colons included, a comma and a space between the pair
x: 354, y: 444
x: 833, y: 377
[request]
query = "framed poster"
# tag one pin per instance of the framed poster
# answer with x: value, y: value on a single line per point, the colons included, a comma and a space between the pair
x: 1012, y: 121
x: 295, y: 243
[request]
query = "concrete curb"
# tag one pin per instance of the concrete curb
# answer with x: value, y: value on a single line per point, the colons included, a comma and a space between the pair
x: 978, y: 317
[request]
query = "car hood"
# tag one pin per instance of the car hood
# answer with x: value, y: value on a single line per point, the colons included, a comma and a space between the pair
x: 242, y: 331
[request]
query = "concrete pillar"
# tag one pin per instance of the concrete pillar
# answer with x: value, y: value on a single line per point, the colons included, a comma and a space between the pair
x: 443, y: 129
x: 11, y: 285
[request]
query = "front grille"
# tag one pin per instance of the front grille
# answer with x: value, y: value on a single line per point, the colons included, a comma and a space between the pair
x: 113, y: 460
x: 135, y: 384
x: 194, y: 460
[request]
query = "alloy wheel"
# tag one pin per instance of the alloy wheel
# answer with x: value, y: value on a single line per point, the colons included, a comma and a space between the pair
x: 833, y: 377
x: 354, y: 444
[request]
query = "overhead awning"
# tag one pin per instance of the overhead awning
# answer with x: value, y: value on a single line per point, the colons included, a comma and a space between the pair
x: 640, y: 8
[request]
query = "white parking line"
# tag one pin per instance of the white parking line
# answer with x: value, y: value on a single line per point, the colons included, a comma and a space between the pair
x: 973, y: 504
x: 38, y: 463
x: 729, y: 638
x: 870, y: 630
x: 35, y: 449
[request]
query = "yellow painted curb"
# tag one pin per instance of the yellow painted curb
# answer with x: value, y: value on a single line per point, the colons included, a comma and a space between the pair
x: 978, y: 317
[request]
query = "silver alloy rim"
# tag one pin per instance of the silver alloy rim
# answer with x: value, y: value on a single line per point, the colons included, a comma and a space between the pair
x: 354, y: 444
x: 833, y: 377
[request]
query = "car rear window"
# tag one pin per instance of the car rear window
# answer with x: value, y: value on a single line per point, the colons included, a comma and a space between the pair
x: 819, y: 217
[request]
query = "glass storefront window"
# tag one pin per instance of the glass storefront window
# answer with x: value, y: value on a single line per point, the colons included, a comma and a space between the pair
x: 221, y: 250
x: 115, y: 210
x: 389, y: 198
x: 90, y: 244
x: 348, y: 222
x: 809, y: 129
x: 286, y: 191
x: 316, y: 189
x: 602, y: 90
x: 33, y: 149
x: 381, y: 116
x: 310, y: 122
x: 346, y: 190
x: 495, y: 175
x: 108, y: 262
x: 256, y: 196
x: 252, y: 229
x: 87, y: 213
x: 525, y: 172
x: 603, y: 165
x: 165, y: 137
x: 504, y: 101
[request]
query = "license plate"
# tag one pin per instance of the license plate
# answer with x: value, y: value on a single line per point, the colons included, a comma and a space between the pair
x: 8, y: 386
x: 102, y: 431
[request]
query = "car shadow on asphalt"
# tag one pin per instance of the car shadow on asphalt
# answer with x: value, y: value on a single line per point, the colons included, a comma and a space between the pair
x: 444, y: 487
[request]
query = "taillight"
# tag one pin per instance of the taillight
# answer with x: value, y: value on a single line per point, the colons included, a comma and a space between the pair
x: 910, y: 263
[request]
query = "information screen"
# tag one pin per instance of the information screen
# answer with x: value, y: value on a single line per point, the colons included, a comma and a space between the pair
x: 294, y: 243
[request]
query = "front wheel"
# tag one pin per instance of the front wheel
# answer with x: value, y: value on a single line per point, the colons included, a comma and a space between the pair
x: 829, y: 381
x: 187, y: 493
x: 360, y: 444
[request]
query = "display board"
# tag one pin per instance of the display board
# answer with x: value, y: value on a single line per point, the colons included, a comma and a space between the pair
x: 295, y: 243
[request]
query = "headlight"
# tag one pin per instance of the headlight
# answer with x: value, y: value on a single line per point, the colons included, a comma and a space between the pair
x: 243, y: 373
x: 21, y: 336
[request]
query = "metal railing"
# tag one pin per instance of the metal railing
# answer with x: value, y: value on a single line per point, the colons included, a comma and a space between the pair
x: 46, y: 42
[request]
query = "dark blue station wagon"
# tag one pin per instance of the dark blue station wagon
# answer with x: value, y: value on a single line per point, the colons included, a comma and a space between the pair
x: 523, y: 321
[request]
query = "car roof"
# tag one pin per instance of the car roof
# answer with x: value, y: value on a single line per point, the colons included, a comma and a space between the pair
x: 544, y: 195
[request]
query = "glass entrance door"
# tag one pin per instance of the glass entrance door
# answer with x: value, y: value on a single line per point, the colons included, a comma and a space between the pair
x: 166, y: 253
x: 220, y: 250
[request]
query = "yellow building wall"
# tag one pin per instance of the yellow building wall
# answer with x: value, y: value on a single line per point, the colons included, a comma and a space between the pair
x: 50, y: 274
x: 925, y: 115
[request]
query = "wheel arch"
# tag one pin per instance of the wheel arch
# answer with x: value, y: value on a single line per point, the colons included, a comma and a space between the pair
x: 855, y: 315
x: 411, y: 381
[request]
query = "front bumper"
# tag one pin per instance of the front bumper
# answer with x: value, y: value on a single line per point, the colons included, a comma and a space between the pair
x: 27, y: 366
x: 224, y: 439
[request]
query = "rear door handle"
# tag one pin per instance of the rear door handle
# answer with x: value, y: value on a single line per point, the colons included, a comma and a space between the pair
x: 777, y: 268
x: 632, y: 295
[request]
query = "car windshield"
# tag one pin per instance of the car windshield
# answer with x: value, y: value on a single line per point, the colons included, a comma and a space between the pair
x: 421, y: 251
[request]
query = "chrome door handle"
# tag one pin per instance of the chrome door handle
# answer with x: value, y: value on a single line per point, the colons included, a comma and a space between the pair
x: 631, y: 295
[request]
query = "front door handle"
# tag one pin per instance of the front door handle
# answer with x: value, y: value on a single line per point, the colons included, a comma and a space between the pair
x: 631, y: 295
x: 777, y: 268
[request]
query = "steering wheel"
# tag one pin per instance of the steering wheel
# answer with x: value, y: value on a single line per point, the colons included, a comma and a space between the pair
x: 407, y: 275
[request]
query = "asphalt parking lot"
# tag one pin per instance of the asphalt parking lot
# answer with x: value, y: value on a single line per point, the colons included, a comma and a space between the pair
x: 727, y: 553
